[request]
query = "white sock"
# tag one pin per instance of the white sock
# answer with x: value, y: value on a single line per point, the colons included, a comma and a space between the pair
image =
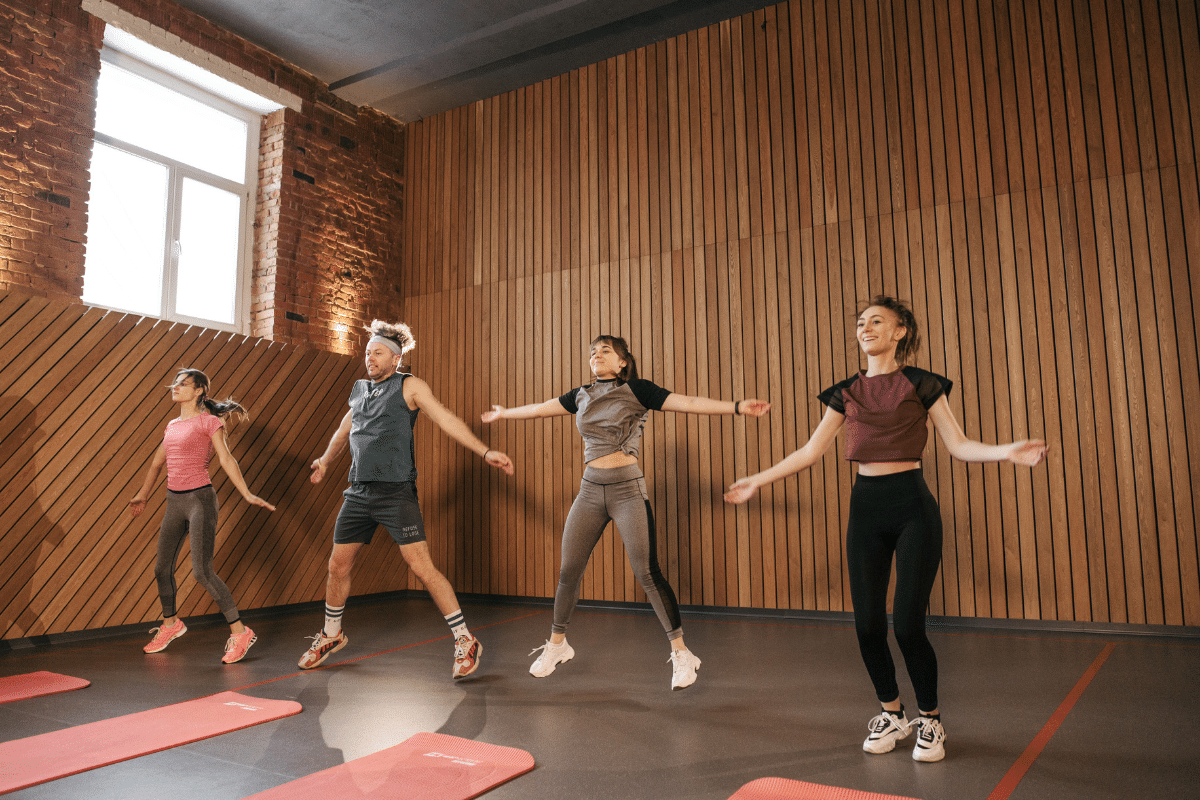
x: 458, y: 625
x: 333, y: 620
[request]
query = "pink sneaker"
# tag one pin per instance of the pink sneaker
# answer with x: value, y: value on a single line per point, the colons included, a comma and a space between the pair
x: 164, y: 635
x: 238, y: 644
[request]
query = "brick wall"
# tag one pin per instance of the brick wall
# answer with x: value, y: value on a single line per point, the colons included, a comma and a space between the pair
x: 331, y: 189
x: 49, y: 64
x: 331, y: 176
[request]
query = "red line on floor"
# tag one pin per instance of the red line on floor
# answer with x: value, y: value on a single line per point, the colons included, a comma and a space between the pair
x: 382, y: 652
x: 1015, y: 773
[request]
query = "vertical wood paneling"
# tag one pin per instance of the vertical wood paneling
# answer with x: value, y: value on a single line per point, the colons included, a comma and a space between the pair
x: 1023, y: 172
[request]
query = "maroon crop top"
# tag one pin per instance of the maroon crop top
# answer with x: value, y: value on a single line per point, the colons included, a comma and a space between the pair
x: 886, y: 414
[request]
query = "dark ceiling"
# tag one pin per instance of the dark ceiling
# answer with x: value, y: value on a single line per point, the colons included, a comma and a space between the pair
x: 414, y: 58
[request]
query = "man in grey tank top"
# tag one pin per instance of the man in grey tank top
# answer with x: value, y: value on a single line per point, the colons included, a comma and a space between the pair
x: 378, y: 429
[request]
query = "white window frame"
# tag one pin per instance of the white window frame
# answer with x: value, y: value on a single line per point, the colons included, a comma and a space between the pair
x: 247, y: 193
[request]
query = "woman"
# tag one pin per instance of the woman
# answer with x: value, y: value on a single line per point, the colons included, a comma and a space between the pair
x: 610, y: 414
x: 885, y: 410
x: 187, y: 447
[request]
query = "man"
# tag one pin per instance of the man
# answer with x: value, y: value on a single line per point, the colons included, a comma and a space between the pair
x: 379, y: 431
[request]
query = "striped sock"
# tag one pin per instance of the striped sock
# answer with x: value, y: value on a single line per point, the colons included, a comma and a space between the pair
x: 457, y: 624
x: 333, y: 620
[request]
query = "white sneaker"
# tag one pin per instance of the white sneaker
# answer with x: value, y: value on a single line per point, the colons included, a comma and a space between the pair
x: 886, y: 730
x: 552, y: 655
x: 683, y: 668
x: 930, y: 738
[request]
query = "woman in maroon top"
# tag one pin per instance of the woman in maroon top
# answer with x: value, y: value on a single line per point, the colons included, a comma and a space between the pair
x: 188, y: 444
x: 884, y: 410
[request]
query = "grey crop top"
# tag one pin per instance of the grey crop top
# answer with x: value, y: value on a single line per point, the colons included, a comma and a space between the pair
x: 610, y: 415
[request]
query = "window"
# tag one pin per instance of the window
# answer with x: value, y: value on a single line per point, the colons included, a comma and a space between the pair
x: 171, y: 208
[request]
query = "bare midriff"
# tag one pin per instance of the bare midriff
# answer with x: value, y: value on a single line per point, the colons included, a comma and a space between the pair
x: 872, y: 468
x: 613, y: 461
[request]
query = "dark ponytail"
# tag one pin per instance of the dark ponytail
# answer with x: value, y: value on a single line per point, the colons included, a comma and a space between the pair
x: 218, y: 408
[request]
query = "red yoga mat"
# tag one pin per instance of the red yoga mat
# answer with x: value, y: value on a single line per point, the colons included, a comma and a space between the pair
x: 784, y: 789
x: 35, y: 684
x: 37, y: 759
x: 425, y: 766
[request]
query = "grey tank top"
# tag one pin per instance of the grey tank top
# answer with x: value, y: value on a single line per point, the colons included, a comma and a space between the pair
x: 610, y: 416
x: 381, y: 431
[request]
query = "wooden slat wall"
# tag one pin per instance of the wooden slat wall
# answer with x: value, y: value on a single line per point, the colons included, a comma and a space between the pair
x: 1023, y: 172
x: 82, y: 410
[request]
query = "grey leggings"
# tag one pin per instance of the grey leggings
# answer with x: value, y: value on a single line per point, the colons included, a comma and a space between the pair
x: 192, y: 515
x: 618, y: 495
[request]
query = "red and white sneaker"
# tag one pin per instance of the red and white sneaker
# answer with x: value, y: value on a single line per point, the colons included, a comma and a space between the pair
x: 467, y: 650
x: 164, y: 635
x: 237, y: 645
x: 322, y: 647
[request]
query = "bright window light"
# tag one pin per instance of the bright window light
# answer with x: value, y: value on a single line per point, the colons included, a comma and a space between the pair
x: 170, y: 212
x: 126, y: 230
x: 155, y: 118
x: 208, y: 253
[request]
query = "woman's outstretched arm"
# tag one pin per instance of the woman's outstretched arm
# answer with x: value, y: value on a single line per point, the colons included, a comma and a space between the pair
x: 704, y: 405
x: 550, y: 408
x: 801, y: 459
x: 138, y: 504
x: 230, y: 465
x: 1028, y: 452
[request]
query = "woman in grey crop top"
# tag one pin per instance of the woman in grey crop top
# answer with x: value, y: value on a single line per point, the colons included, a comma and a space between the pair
x: 610, y: 414
x: 884, y: 410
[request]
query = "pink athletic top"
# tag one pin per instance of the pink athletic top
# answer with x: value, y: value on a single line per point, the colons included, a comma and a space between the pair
x: 188, y: 445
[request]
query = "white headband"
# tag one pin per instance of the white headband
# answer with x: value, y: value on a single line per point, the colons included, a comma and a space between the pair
x: 395, y: 348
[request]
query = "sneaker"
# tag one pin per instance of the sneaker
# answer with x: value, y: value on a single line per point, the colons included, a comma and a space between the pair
x: 322, y: 647
x: 886, y: 730
x: 552, y: 655
x: 238, y: 644
x: 163, y: 636
x: 683, y: 668
x: 467, y: 650
x: 930, y: 738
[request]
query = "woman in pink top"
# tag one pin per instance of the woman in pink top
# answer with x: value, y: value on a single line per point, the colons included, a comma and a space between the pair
x: 188, y: 446
x: 885, y: 411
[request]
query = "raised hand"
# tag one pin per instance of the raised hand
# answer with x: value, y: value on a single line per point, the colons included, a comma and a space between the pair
x: 499, y: 460
x: 753, y: 408
x: 741, y: 491
x: 1029, y: 452
x: 255, y: 500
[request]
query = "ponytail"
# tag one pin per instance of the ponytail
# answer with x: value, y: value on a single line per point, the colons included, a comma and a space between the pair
x: 218, y: 408
x: 223, y: 408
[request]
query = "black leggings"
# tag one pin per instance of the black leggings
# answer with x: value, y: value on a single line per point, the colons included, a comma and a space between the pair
x: 894, y: 514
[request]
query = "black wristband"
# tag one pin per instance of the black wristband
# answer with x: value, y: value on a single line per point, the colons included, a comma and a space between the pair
x: 736, y: 412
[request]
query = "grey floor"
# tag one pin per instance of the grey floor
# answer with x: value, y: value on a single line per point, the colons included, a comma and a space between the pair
x: 776, y: 697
